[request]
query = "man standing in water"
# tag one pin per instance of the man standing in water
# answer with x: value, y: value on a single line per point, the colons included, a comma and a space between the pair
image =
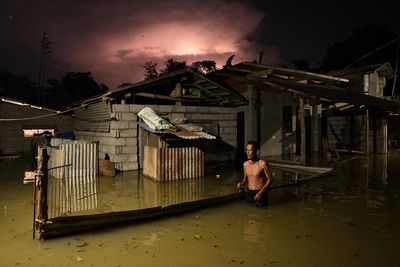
x: 257, y: 177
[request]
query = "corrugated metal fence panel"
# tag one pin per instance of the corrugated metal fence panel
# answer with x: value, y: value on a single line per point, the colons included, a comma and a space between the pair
x: 94, y: 118
x: 71, y: 195
x: 83, y: 157
x: 77, y: 190
x: 167, y: 164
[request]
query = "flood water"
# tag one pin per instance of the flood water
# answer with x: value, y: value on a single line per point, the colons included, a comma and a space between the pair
x: 350, y: 218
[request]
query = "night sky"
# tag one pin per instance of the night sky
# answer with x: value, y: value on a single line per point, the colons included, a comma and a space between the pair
x: 112, y: 39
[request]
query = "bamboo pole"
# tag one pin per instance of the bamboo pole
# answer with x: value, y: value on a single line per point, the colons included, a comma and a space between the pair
x: 366, y: 118
x: 302, y: 131
x: 42, y: 182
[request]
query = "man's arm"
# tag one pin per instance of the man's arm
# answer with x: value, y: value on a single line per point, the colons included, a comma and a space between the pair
x: 268, y: 181
x: 244, y: 180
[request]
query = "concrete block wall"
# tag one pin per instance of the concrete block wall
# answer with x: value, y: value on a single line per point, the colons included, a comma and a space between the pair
x: 121, y: 143
x: 225, y: 117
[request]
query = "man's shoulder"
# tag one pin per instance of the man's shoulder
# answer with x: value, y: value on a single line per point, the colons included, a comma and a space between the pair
x: 262, y: 162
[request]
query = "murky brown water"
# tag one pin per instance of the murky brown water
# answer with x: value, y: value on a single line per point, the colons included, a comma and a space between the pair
x: 351, y: 218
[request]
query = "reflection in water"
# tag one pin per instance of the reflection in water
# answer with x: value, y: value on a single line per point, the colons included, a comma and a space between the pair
x: 131, y: 191
x: 350, y: 218
x: 255, y: 230
x: 68, y: 195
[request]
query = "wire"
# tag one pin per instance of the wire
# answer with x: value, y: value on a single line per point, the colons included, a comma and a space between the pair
x: 395, y: 71
x: 44, y: 116
x: 368, y: 54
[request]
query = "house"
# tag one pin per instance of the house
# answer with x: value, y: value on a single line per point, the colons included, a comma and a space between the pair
x: 294, y: 112
x: 21, y: 124
x: 111, y: 119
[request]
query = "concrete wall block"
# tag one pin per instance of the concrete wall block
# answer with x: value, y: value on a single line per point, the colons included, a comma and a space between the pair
x: 135, y: 108
x: 120, y: 108
x: 128, y: 116
x: 232, y: 142
x: 166, y: 108
x: 217, y: 110
x: 131, y: 141
x: 127, y: 166
x: 128, y: 133
x: 226, y: 137
x: 133, y: 157
x: 130, y: 166
x: 228, y: 130
x: 226, y: 123
x: 129, y: 149
x: 119, y: 125
x: 123, y: 158
x: 192, y: 109
x: 110, y: 149
x: 197, y: 116
x: 229, y: 116
x: 181, y: 109
x: 115, y: 133
x: 133, y: 125
x: 91, y: 134
x: 112, y: 141
x: 118, y: 150
x: 119, y: 158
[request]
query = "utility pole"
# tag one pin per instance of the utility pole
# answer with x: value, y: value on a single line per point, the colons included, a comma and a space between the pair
x: 45, y: 50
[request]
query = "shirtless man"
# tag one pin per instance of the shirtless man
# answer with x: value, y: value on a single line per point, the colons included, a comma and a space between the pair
x: 257, y: 177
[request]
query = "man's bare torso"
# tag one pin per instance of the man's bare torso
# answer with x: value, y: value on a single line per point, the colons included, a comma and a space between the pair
x: 254, y: 171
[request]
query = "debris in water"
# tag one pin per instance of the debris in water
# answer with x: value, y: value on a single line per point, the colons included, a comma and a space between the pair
x: 79, y: 258
x: 348, y: 220
x: 82, y: 245
x: 197, y: 236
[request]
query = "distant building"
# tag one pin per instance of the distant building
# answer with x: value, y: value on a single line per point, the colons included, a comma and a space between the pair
x: 21, y: 125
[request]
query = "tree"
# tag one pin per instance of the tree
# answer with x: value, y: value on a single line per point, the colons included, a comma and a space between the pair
x: 19, y: 87
x: 301, y: 64
x: 150, y: 68
x: 173, y: 65
x: 73, y: 86
x: 204, y: 66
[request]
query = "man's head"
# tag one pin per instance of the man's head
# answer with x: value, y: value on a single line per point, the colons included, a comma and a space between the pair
x: 252, y: 149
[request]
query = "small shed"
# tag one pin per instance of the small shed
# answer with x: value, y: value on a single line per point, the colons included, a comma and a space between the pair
x: 171, y: 151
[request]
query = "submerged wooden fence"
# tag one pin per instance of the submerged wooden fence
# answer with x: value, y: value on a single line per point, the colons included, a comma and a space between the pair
x: 66, y: 181
x: 166, y: 164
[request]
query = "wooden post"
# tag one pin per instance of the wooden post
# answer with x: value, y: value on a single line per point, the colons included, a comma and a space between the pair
x: 41, y: 187
x: 315, y: 128
x: 302, y: 131
x: 366, y: 129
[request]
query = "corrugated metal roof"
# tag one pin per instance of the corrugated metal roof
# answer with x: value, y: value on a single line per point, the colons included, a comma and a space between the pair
x: 180, y: 132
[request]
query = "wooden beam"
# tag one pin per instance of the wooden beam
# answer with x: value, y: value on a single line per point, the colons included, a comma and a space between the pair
x: 366, y: 131
x: 302, y: 131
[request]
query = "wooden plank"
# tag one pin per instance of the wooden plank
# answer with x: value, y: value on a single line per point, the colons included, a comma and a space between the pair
x: 73, y: 224
x: 106, y: 167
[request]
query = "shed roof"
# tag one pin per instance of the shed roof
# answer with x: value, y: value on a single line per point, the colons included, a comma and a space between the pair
x: 160, y: 88
x: 324, y: 87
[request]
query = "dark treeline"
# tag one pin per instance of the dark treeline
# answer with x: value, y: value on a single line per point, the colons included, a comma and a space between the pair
x: 73, y: 86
